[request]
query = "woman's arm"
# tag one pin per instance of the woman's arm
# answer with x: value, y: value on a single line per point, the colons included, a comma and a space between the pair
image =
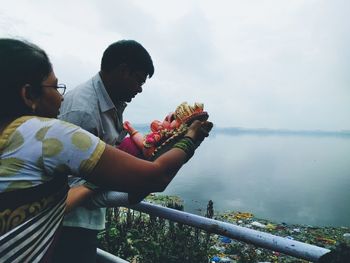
x: 117, y: 170
x: 146, y: 177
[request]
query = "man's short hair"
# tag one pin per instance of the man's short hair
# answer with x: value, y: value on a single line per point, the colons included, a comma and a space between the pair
x: 128, y: 52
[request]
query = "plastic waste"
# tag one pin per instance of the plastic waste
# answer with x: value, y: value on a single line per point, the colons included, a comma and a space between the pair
x: 257, y: 224
x: 270, y: 226
x: 237, y: 251
x: 218, y: 248
x: 225, y: 240
x: 215, y: 259
x: 242, y: 216
x: 225, y: 260
x: 326, y: 240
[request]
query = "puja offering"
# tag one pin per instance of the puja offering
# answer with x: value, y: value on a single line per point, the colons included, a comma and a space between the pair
x: 163, y: 134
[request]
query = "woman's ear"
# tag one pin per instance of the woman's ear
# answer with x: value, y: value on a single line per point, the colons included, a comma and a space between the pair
x: 28, y: 96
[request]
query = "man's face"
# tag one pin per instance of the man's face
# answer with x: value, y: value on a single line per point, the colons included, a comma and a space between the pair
x: 129, y: 85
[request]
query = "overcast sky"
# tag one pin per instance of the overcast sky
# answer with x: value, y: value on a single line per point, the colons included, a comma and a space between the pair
x: 255, y: 64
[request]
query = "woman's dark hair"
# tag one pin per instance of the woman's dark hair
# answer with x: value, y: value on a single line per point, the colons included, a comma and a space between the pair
x: 128, y: 52
x: 21, y: 63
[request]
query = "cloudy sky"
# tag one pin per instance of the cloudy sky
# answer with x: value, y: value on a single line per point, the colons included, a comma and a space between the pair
x: 253, y: 63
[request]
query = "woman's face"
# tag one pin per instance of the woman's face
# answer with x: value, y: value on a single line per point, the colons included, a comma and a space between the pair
x: 49, y: 102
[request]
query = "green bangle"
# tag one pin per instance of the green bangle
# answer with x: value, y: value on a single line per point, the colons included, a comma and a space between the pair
x: 195, y: 143
x: 188, y: 137
x: 186, y: 144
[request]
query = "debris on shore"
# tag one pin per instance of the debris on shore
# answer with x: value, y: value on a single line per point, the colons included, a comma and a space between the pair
x: 139, y: 237
x: 229, y: 250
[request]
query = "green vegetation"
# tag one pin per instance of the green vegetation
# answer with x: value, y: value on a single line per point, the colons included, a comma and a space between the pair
x: 138, y: 237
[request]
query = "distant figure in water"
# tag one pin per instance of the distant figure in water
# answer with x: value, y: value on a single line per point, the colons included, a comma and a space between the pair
x: 210, y: 209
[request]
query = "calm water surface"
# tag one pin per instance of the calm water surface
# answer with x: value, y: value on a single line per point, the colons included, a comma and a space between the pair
x: 292, y: 179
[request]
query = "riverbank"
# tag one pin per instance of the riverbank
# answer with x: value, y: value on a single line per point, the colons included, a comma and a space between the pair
x: 228, y: 250
x: 138, y: 237
x: 234, y: 251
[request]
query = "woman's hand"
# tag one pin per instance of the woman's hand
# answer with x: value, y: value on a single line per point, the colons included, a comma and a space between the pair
x: 199, y: 130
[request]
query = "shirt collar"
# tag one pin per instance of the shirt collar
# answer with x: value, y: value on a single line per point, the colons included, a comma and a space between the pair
x: 104, y: 99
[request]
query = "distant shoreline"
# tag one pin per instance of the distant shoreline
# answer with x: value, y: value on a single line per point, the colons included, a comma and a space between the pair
x: 282, y: 132
x: 144, y: 128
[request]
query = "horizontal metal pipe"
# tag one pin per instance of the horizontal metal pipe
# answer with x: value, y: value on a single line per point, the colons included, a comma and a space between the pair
x: 105, y: 257
x: 261, y: 239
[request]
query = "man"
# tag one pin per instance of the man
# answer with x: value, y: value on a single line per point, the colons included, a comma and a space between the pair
x: 97, y: 106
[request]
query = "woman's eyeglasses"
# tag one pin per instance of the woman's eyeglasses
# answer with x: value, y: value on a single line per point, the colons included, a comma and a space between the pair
x: 61, y: 88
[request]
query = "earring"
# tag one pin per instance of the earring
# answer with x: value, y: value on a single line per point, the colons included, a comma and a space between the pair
x: 33, y: 108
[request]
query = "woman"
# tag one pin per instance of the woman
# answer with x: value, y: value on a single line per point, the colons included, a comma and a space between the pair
x: 37, y: 152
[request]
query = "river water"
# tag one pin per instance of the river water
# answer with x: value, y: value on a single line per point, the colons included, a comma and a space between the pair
x: 294, y: 179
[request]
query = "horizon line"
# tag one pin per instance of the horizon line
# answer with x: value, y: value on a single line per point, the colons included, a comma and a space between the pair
x: 244, y: 129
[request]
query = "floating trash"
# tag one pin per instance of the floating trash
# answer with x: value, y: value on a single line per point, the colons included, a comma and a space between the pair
x: 326, y: 240
x: 257, y: 224
x: 270, y: 226
x: 296, y: 230
x: 347, y: 236
x: 225, y: 240
x: 215, y: 259
x: 240, y: 215
x: 225, y: 260
x: 327, y: 237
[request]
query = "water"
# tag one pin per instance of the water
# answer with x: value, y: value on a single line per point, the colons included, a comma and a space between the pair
x: 292, y: 179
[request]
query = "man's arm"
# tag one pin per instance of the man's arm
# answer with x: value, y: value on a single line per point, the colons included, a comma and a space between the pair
x: 77, y: 196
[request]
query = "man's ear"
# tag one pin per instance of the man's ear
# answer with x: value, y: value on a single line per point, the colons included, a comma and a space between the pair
x: 28, y: 96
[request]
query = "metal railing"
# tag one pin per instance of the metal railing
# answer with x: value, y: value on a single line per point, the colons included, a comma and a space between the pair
x: 105, y: 257
x: 260, y: 239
